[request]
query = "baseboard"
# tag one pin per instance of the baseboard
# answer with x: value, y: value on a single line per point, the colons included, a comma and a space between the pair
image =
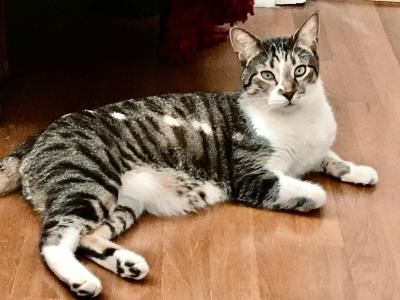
x: 271, y: 3
x: 289, y: 2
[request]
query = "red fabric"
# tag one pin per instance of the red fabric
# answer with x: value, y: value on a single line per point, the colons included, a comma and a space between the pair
x: 191, y: 24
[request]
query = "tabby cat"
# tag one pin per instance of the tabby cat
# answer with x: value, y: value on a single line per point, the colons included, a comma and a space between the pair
x: 93, y: 173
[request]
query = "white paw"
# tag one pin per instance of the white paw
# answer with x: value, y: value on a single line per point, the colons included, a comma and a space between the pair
x: 361, y: 175
x: 313, y: 197
x: 86, y: 285
x: 130, y: 265
x: 316, y: 194
x: 299, y: 195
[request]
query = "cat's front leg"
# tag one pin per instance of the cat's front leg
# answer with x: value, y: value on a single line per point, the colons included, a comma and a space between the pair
x: 347, y: 171
x: 276, y: 191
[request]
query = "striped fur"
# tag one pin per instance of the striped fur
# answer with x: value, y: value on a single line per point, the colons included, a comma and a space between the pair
x: 93, y: 173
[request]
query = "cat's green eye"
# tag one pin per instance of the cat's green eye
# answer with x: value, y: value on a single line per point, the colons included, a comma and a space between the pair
x: 268, y: 75
x: 300, y: 71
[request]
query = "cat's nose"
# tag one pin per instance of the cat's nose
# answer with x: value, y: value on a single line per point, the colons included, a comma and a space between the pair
x: 289, y: 95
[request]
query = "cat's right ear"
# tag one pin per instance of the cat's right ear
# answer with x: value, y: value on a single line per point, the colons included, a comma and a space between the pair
x: 245, y: 44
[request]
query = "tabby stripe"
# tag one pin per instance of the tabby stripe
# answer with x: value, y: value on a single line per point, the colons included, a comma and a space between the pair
x: 113, y: 161
x: 253, y: 191
x: 189, y: 104
x: 105, y: 138
x: 55, y: 147
x: 110, y: 126
x: 149, y: 136
x: 204, y: 161
x: 238, y: 184
x: 133, y: 155
x: 83, y: 120
x: 248, y: 181
x: 110, y: 143
x: 112, y: 228
x: 89, y: 252
x: 181, y: 109
x: 259, y: 192
x: 129, y: 105
x: 123, y: 222
x: 49, y: 225
x: 154, y: 124
x: 84, y: 195
x: 103, y: 167
x: 117, y: 164
x: 180, y: 135
x: 126, y: 209
x: 60, y: 185
x: 103, y: 208
x: 214, y: 139
x: 98, y: 177
x: 94, y: 198
x: 139, y: 142
x: 266, y: 196
x: 227, y: 134
x: 65, y: 135
x: 77, y: 207
x: 249, y: 82
x: 143, y: 157
x: 154, y: 107
x: 180, y: 112
x: 81, y: 134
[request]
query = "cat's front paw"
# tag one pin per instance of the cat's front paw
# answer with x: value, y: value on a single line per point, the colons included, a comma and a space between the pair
x: 299, y: 195
x: 361, y: 175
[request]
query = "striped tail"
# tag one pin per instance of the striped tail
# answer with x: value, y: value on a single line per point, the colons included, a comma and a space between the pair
x: 10, y: 178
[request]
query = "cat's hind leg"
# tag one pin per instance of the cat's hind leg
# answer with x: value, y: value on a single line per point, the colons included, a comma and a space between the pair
x: 98, y: 247
x: 58, y: 246
x: 65, y: 222
x: 161, y: 192
x: 347, y: 171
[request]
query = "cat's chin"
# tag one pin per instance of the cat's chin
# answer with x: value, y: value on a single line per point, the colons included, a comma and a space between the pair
x: 285, y: 108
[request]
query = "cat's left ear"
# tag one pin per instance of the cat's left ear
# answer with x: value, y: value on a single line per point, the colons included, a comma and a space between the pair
x: 307, y: 35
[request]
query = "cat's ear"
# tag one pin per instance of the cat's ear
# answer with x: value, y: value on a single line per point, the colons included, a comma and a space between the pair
x: 307, y: 35
x: 245, y: 44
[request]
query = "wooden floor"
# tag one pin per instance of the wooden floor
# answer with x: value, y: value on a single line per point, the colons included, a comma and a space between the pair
x: 350, y: 249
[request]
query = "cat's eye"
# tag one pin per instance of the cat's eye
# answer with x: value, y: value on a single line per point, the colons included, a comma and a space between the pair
x: 268, y: 75
x: 300, y: 70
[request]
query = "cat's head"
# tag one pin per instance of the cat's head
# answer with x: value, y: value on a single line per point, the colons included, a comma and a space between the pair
x: 279, y: 72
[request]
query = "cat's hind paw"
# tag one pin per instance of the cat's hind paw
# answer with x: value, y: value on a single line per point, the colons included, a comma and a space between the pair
x: 86, y: 287
x: 130, y: 265
x: 361, y: 175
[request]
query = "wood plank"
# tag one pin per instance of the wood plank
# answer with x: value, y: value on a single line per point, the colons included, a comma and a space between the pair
x: 233, y: 266
x: 186, y: 263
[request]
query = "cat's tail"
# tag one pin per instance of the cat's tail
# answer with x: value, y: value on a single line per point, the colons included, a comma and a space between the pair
x: 10, y: 178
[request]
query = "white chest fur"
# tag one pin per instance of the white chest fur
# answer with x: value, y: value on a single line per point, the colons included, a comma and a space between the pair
x: 300, y: 136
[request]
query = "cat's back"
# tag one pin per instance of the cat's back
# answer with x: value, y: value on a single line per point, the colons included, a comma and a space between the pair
x: 190, y: 110
x: 174, y: 130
